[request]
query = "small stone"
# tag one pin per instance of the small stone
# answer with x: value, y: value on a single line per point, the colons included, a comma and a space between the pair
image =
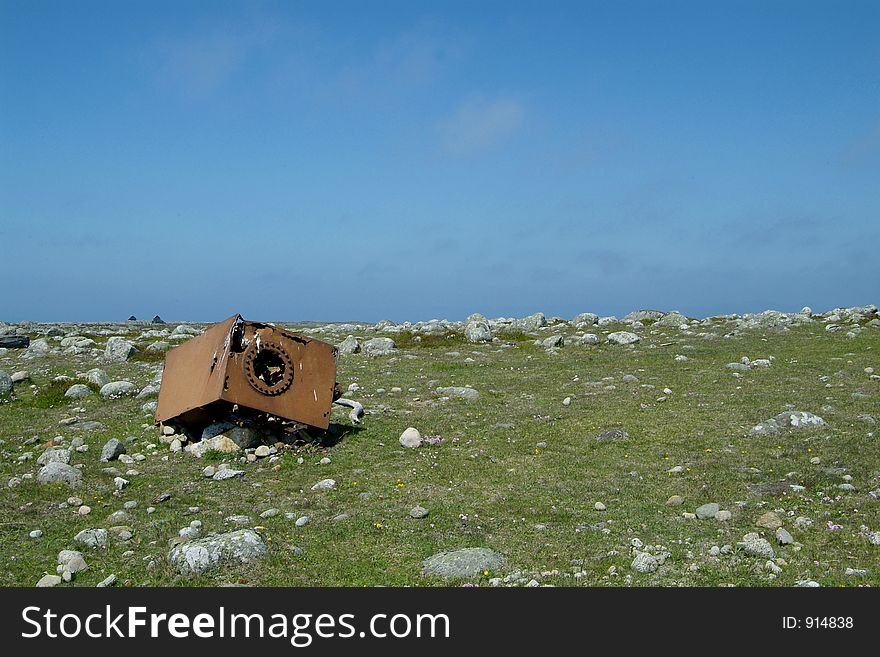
x: 784, y: 537
x: 302, y: 521
x: 261, y: 452
x: 107, y: 581
x: 723, y: 516
x: 566, y: 401
x: 209, y: 471
x: 418, y: 512
x: 599, y: 506
x: 675, y: 500
x: 324, y: 461
x: 411, y: 438
x: 769, y: 520
x: 325, y: 484
x: 37, y: 533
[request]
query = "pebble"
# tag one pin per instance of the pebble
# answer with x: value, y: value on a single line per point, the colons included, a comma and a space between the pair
x: 418, y: 512
x: 37, y: 533
x: 675, y: 500
x: 302, y: 521
x: 599, y: 506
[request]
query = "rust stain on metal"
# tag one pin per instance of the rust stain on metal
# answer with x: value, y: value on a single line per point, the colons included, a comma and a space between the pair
x: 251, y: 368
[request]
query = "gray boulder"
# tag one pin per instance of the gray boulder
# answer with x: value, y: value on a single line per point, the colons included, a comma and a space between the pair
x: 673, y: 319
x: 585, y: 318
x: 466, y: 562
x: 54, y: 455
x: 78, y: 391
x: 112, y: 450
x: 478, y: 331
x: 531, y: 323
x: 97, y: 376
x: 379, y: 347
x: 201, y: 555
x: 350, y: 345
x: 117, y: 389
x: 57, y: 472
x: 623, y: 338
x: 119, y: 349
x: 92, y: 538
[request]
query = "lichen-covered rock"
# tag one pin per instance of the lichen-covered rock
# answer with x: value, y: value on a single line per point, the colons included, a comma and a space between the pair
x: 622, y: 338
x: 117, y: 389
x: 57, y: 472
x: 789, y: 420
x: 201, y: 555
x: 459, y: 391
x: 379, y: 347
x: 466, y: 562
x: 119, y: 349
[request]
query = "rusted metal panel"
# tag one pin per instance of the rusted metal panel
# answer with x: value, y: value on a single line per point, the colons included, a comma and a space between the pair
x: 253, y: 365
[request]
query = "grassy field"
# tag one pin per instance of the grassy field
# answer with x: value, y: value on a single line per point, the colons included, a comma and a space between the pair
x: 516, y: 470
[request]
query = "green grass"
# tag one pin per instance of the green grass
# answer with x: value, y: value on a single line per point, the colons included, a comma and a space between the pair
x: 51, y: 395
x: 488, y: 467
x: 410, y: 340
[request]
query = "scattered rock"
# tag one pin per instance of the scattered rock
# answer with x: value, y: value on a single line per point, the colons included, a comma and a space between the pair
x: 379, y: 347
x: 459, y: 391
x: 119, y: 349
x: 47, y: 581
x: 784, y: 537
x: 707, y: 511
x: 756, y: 546
x: 112, y: 450
x: 92, y: 538
x: 325, y: 484
x: 769, y: 520
x: 788, y: 420
x: 78, y: 391
x: 200, y: 555
x: 418, y: 512
x: 411, y: 438
x: 645, y: 563
x: 462, y: 563
x: 612, y: 435
x: 117, y: 389
x: 57, y: 472
x: 623, y: 338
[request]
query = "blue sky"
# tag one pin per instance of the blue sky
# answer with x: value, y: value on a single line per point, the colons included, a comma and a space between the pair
x: 411, y: 160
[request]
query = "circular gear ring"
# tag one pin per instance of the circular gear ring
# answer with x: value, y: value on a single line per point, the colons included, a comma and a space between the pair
x: 268, y: 368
